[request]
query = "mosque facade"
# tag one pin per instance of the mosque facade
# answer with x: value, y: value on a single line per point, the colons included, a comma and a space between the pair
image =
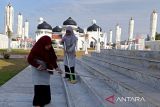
x: 94, y: 33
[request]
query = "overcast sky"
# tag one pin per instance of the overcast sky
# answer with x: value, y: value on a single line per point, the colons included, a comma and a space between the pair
x: 107, y: 13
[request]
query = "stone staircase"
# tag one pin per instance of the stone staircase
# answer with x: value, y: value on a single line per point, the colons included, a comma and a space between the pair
x: 122, y: 74
x: 123, y: 77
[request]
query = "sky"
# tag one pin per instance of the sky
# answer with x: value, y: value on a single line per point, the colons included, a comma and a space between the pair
x: 107, y: 13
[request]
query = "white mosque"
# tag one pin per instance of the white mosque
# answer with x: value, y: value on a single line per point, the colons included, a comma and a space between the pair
x: 94, y: 32
x: 92, y: 37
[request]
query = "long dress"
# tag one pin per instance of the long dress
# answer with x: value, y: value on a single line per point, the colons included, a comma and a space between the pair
x: 39, y: 56
x: 41, y: 81
x: 69, y: 43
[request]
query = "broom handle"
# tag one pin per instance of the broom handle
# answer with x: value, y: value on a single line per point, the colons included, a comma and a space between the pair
x: 80, y: 75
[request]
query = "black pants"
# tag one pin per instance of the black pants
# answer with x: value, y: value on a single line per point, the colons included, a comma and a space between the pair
x: 42, y: 95
x: 68, y: 71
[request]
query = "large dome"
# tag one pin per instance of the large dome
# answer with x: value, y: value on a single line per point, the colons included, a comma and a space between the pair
x: 70, y: 21
x: 44, y: 25
x: 57, y: 29
x: 80, y: 30
x: 94, y: 27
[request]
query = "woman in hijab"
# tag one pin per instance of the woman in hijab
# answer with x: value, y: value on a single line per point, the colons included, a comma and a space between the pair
x: 41, y: 58
x: 69, y: 41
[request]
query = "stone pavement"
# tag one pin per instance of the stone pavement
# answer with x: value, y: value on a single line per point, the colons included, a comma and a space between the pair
x: 18, y: 91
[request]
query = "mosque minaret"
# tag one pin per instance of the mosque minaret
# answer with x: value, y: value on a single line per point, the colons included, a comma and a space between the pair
x: 26, y: 29
x: 130, y: 33
x: 20, y: 25
x: 131, y: 29
x: 110, y: 37
x: 118, y: 36
x: 153, y: 25
x: 9, y: 18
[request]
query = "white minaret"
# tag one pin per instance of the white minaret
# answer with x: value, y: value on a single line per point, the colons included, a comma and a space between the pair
x: 105, y: 40
x: 131, y: 29
x: 23, y: 33
x: 153, y: 25
x: 9, y: 18
x: 117, y: 33
x: 26, y: 28
x: 110, y: 37
x: 118, y: 36
x: 20, y: 25
x: 130, y: 32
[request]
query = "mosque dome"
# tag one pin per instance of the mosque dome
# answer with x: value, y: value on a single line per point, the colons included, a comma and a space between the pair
x: 57, y: 29
x: 70, y: 21
x: 80, y: 30
x: 94, y: 27
x: 44, y: 25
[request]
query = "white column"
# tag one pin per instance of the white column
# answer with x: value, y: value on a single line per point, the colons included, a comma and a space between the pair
x: 105, y: 40
x: 153, y: 25
x: 9, y: 18
x: 20, y: 25
x: 78, y: 42
x: 98, y: 40
x: 110, y: 36
x: 117, y: 33
x: 26, y: 29
x: 86, y: 46
x: 23, y: 36
x: 131, y: 29
x: 25, y: 44
x: 118, y: 36
x: 86, y: 39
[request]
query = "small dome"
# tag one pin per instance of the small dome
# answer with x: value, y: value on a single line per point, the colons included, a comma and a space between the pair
x: 69, y: 21
x: 80, y: 30
x: 94, y: 27
x: 57, y: 29
x: 44, y: 25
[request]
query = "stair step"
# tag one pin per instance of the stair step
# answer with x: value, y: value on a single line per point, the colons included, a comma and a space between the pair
x: 58, y: 91
x: 99, y: 88
x: 79, y: 95
x: 125, y: 85
x: 140, y: 74
x: 151, y: 64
